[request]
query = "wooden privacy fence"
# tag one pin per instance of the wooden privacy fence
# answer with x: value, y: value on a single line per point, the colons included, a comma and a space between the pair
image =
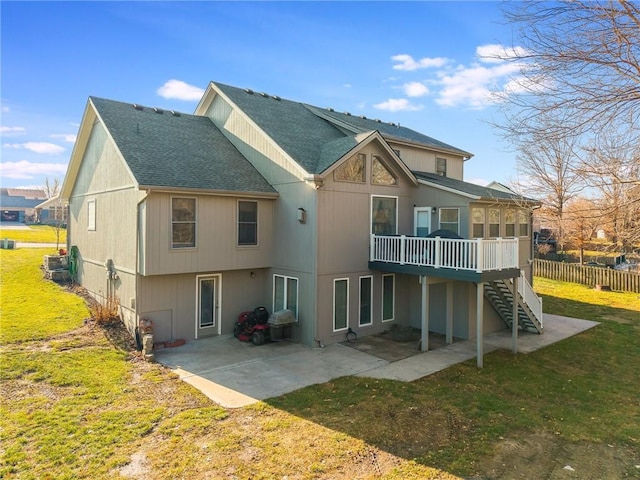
x: 576, y: 273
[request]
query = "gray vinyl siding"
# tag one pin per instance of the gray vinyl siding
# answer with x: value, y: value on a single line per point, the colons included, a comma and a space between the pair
x: 294, y: 253
x: 170, y: 301
x: 216, y: 236
x: 422, y: 160
x: 104, y: 179
x: 344, y: 226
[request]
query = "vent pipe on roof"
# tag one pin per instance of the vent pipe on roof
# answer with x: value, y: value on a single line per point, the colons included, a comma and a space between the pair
x: 158, y: 110
x: 264, y: 94
x: 174, y: 113
x: 249, y: 91
x: 276, y: 97
x: 137, y: 107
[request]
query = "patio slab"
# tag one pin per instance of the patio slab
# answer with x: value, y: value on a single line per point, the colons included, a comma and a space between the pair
x: 235, y: 374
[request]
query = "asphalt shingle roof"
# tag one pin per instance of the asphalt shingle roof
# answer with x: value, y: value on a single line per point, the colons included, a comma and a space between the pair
x: 310, y: 135
x: 14, y: 198
x: 484, y: 193
x: 179, y: 151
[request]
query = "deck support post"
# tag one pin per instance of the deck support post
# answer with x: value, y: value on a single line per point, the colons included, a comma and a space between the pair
x: 449, y: 313
x: 480, y: 323
x: 424, y: 338
x: 514, y: 323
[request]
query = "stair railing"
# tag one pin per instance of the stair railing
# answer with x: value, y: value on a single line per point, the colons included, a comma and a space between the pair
x: 530, y: 298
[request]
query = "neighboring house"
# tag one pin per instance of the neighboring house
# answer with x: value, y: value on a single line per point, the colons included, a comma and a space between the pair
x: 19, y: 204
x: 256, y: 200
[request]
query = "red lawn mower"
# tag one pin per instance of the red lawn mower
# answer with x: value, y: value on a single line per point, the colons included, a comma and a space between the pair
x: 253, y: 326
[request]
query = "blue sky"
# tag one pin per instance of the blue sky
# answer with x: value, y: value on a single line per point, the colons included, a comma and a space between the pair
x: 420, y: 64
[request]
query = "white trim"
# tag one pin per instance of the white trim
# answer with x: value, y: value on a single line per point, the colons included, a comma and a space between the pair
x: 333, y: 311
x: 91, y: 215
x: 371, y: 211
x: 257, y: 243
x: 393, y: 298
x: 195, y: 222
x: 217, y: 317
x: 417, y: 210
x: 285, y: 299
x: 440, y: 217
x: 360, y: 324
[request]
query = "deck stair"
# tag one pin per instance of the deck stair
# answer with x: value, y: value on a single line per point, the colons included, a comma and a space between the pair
x: 499, y: 293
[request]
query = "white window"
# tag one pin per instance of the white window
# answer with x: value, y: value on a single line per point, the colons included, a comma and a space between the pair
x: 441, y: 167
x: 388, y: 297
x: 366, y: 295
x: 247, y: 222
x: 523, y: 223
x: 91, y: 215
x: 450, y: 219
x: 510, y: 223
x: 340, y: 304
x: 183, y: 222
x: 285, y: 294
x: 384, y: 212
x: 494, y: 222
x: 477, y: 219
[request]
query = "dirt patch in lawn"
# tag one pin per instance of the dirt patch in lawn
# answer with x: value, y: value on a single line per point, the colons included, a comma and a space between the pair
x: 542, y: 455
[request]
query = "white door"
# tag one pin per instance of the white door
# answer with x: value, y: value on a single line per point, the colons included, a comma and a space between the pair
x: 208, y: 307
x: 421, y: 221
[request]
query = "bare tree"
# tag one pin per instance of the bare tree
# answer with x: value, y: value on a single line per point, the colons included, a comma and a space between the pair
x: 613, y: 170
x: 580, y: 58
x: 582, y: 222
x: 548, y: 170
x: 52, y: 191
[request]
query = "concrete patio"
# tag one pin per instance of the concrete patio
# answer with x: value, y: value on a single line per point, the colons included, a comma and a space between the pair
x: 235, y: 374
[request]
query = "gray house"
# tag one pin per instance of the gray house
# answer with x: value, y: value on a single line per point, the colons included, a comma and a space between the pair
x: 350, y: 222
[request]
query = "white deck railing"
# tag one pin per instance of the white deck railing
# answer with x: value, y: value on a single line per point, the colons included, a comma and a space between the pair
x: 533, y: 301
x: 477, y: 255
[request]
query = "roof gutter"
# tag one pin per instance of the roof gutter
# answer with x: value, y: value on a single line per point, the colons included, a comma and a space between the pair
x: 203, y: 191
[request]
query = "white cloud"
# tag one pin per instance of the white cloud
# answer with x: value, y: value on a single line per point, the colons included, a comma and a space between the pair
x: 495, y: 53
x: 476, y: 85
x: 12, y: 130
x: 406, y: 62
x: 67, y: 137
x: 5, y: 109
x: 37, y: 147
x: 180, y: 90
x: 415, y: 89
x: 397, y: 105
x: 26, y: 170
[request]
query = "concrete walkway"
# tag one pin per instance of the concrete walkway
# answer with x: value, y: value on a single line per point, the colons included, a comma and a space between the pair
x: 235, y: 374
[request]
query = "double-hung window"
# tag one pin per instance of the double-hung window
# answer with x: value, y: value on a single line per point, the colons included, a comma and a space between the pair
x: 510, y: 223
x: 441, y: 167
x: 523, y: 223
x: 247, y: 222
x: 450, y: 219
x: 183, y: 222
x: 477, y: 216
x: 494, y: 222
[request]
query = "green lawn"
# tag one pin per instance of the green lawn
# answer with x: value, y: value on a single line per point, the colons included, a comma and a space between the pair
x: 32, y: 307
x: 35, y: 234
x: 76, y: 404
